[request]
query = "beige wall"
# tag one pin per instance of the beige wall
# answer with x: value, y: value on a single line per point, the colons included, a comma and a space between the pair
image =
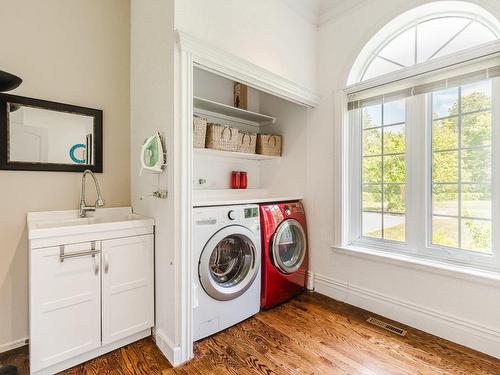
x: 76, y: 52
x: 152, y: 109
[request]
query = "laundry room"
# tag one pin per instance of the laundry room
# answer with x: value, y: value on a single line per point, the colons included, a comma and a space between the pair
x: 279, y: 187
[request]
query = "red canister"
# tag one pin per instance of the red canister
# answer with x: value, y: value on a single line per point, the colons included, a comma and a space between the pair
x: 243, y: 180
x: 235, y: 180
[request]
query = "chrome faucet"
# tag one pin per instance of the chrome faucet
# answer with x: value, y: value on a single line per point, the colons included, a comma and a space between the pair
x: 98, y: 203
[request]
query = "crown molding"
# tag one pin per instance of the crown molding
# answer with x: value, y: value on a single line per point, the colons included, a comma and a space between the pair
x: 338, y: 10
x: 307, y: 10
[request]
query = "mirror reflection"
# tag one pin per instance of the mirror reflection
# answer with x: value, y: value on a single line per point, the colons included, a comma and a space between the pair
x: 39, y: 135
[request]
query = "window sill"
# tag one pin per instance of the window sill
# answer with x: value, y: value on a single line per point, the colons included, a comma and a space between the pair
x: 426, y: 265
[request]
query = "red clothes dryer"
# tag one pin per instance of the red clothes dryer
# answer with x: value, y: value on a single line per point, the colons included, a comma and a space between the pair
x: 284, y: 252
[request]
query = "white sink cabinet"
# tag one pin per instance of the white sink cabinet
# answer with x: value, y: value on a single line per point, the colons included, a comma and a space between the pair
x: 91, y: 285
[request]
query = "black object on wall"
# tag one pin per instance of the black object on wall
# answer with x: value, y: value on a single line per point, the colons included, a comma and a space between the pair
x: 8, y: 81
x: 10, y: 103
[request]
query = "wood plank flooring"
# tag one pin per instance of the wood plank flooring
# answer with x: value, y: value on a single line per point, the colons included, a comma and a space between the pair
x: 311, y: 334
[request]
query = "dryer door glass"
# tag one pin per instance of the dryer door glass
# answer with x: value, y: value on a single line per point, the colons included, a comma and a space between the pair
x: 229, y: 263
x: 289, y: 246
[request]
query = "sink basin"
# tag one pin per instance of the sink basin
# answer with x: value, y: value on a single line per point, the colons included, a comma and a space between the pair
x: 63, y: 223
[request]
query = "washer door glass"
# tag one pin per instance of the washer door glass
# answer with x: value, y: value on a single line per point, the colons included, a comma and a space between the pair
x: 231, y: 260
x: 229, y: 263
x: 289, y: 246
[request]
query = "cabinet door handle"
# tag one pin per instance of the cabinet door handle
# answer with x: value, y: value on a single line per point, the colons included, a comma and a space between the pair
x: 63, y: 255
x: 96, y: 265
x: 106, y: 263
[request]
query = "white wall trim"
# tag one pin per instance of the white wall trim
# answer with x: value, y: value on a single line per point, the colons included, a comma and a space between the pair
x: 310, y: 280
x: 423, y: 264
x: 167, y: 347
x: 465, y: 332
x: 13, y: 345
x: 183, y: 208
x: 212, y: 58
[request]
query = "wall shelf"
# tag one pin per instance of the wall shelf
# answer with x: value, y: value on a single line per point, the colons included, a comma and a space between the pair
x: 231, y: 154
x: 205, y: 107
x: 221, y: 197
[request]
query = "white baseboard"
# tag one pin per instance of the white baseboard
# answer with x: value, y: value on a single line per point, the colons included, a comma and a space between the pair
x: 167, y: 347
x: 465, y: 332
x: 12, y: 345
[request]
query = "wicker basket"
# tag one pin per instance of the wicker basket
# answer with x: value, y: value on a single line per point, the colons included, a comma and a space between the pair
x: 224, y: 138
x: 199, y: 132
x: 247, y: 142
x: 269, y: 144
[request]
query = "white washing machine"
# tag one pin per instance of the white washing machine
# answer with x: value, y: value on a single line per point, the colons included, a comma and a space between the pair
x: 227, y: 258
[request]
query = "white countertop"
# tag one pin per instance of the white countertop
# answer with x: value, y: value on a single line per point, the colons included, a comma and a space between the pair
x: 204, y: 198
x: 63, y: 223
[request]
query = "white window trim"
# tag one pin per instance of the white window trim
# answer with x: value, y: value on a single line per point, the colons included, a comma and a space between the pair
x: 418, y: 215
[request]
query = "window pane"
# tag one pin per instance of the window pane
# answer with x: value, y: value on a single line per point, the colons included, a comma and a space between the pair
x: 445, y: 231
x: 394, y: 198
x: 394, y: 112
x: 476, y: 129
x: 445, y: 134
x: 476, y: 201
x: 372, y: 169
x: 372, y: 224
x: 378, y: 67
x: 445, y: 103
x: 372, y: 141
x: 434, y: 33
x: 476, y: 165
x: 372, y: 198
x: 394, y: 168
x: 401, y: 49
x: 445, y: 166
x: 476, y: 96
x: 394, y: 139
x: 372, y: 116
x: 473, y: 35
x: 476, y: 235
x: 445, y: 200
x: 394, y: 227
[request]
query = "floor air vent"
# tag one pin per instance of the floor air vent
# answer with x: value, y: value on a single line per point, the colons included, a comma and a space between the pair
x: 387, y: 326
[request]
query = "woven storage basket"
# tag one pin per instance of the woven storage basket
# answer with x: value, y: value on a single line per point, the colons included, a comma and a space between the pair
x: 224, y: 138
x: 199, y: 132
x: 247, y: 142
x: 269, y: 144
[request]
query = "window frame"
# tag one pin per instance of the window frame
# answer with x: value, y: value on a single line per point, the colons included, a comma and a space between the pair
x: 471, y: 17
x: 418, y: 188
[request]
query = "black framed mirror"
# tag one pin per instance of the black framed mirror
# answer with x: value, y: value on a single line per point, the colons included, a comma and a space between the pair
x: 40, y: 135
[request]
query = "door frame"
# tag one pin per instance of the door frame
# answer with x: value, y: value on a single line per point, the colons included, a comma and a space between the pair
x: 192, y: 52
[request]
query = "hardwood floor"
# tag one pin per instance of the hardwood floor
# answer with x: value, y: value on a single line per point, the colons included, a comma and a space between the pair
x: 309, y: 335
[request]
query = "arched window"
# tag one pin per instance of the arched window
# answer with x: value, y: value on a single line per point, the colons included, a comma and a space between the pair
x: 425, y: 33
x: 424, y: 126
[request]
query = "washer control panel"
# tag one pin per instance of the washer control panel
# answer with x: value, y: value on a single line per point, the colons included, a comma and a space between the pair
x: 244, y: 215
x: 247, y: 215
x: 231, y: 215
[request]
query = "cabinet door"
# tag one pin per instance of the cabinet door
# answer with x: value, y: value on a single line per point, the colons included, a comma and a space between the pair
x: 127, y: 287
x: 64, y: 304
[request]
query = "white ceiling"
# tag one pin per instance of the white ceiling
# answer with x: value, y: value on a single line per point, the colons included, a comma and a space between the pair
x: 318, y: 12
